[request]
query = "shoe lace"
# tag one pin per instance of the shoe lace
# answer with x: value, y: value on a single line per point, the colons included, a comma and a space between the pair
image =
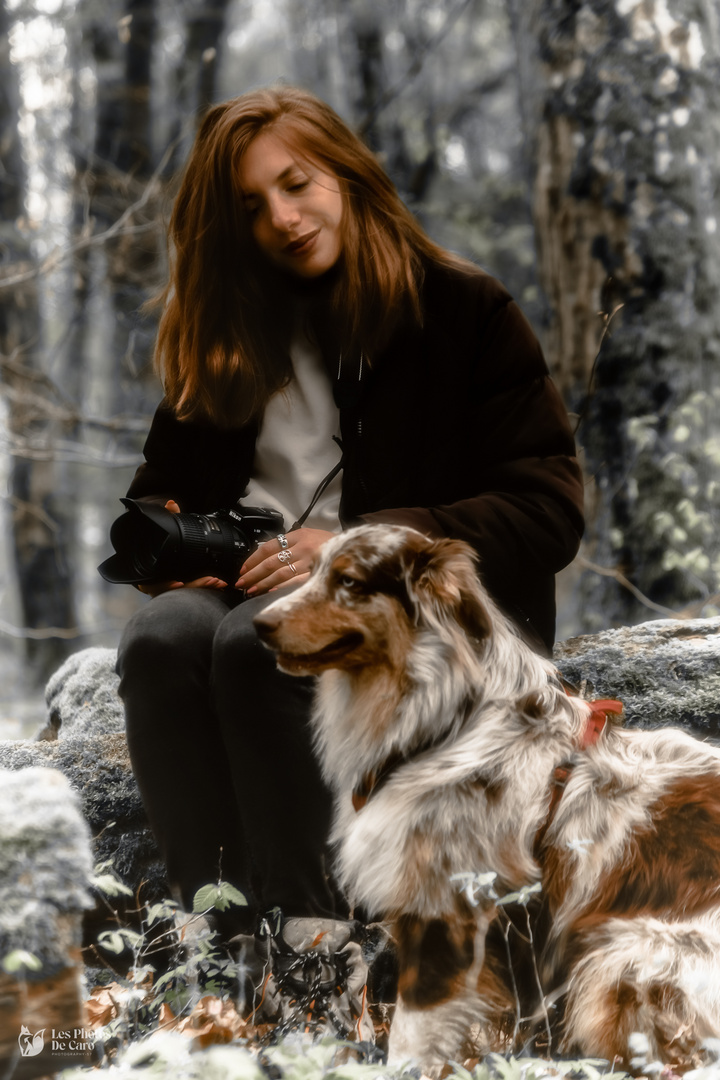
x: 309, y: 980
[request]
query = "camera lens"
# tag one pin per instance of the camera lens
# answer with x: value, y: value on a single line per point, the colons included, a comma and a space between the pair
x: 151, y: 544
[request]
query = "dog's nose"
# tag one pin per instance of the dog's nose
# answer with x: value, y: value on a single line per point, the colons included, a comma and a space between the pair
x: 266, y: 623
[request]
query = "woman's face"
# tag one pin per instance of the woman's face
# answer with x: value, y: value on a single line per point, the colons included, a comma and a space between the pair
x: 295, y: 209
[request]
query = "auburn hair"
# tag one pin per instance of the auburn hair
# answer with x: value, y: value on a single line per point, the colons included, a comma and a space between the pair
x: 224, y: 335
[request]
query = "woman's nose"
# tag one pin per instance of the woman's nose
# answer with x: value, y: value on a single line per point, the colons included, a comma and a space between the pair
x: 284, y: 214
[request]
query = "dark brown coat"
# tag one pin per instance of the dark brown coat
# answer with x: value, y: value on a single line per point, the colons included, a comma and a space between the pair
x: 456, y: 429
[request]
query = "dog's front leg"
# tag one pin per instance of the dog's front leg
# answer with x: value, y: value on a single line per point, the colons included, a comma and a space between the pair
x: 438, y: 1003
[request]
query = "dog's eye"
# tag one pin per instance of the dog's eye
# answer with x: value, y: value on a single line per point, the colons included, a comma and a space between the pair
x: 348, y: 582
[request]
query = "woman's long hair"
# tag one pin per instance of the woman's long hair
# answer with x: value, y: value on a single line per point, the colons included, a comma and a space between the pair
x: 224, y: 335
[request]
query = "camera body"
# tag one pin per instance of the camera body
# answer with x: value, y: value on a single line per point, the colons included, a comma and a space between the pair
x: 152, y: 544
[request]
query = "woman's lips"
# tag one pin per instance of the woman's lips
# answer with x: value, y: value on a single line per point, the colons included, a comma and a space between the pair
x: 302, y: 245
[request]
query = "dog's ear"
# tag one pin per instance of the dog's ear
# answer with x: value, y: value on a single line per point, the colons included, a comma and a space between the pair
x: 444, y: 581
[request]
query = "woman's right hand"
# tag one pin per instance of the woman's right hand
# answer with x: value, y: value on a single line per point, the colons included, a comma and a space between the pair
x: 155, y: 588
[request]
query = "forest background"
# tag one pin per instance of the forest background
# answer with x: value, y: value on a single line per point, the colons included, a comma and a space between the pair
x: 569, y: 147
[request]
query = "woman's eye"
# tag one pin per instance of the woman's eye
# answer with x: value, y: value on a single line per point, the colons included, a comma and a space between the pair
x: 299, y: 185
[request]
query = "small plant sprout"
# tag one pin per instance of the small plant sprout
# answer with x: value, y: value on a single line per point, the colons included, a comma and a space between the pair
x: 220, y: 897
x: 106, y: 881
x: 116, y: 941
x: 19, y: 961
x: 476, y: 887
x: 479, y: 887
x: 522, y: 896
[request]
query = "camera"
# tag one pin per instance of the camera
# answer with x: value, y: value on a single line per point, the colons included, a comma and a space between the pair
x: 153, y: 544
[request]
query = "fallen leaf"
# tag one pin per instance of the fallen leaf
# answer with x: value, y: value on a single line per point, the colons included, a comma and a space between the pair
x: 213, y: 1021
x: 100, y: 1007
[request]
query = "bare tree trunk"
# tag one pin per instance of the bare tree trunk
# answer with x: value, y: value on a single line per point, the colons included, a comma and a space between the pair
x: 196, y: 74
x: 38, y: 521
x: 113, y: 178
x: 626, y: 214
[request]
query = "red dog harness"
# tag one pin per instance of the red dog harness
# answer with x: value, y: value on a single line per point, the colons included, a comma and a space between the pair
x: 594, y: 727
x: 595, y: 724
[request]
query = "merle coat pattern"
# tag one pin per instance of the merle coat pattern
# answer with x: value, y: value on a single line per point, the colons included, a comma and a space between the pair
x: 440, y: 732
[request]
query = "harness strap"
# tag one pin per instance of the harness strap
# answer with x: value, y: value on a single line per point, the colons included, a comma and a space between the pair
x: 373, y: 780
x: 595, y: 724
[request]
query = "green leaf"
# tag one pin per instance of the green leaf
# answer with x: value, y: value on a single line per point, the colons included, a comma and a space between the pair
x: 112, y: 941
x: 232, y: 1062
x: 110, y: 885
x: 171, y: 976
x: 499, y: 1068
x: 358, y: 1070
x: 220, y: 896
x: 19, y: 959
x: 164, y: 910
x: 117, y: 941
x: 522, y: 896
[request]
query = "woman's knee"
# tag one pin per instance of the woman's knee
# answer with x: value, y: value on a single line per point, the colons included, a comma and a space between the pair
x: 236, y: 638
x: 172, y: 630
x: 247, y: 684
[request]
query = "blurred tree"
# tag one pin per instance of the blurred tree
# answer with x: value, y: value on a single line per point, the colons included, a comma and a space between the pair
x: 39, y: 534
x: 111, y: 180
x: 629, y: 254
x: 195, y: 76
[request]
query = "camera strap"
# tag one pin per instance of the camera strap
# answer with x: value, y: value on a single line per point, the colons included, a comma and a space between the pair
x: 319, y: 490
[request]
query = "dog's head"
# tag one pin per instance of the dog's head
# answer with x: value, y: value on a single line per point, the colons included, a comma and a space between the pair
x: 371, y: 589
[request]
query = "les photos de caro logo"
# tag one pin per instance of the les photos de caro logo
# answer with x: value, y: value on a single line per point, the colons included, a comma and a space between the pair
x: 76, y: 1041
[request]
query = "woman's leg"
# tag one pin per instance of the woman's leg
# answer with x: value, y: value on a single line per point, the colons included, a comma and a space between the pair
x: 284, y: 802
x: 176, y: 749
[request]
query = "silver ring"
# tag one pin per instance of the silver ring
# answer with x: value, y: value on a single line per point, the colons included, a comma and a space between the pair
x: 282, y: 540
x: 293, y: 567
x: 284, y: 556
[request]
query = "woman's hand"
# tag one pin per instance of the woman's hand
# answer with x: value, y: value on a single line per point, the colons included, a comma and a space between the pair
x: 264, y: 571
x: 154, y: 588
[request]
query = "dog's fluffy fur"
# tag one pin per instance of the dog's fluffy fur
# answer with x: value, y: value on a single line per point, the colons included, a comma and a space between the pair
x: 427, y: 689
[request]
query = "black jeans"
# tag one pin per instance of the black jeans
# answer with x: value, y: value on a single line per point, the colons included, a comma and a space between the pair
x: 221, y: 749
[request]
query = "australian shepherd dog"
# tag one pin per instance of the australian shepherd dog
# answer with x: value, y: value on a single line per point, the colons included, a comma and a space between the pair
x: 465, y: 776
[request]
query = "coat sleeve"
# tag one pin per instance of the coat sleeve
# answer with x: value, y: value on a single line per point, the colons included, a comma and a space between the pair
x: 528, y: 508
x: 517, y: 488
x: 202, y: 467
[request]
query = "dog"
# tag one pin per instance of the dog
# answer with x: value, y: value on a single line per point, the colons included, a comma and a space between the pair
x: 464, y: 777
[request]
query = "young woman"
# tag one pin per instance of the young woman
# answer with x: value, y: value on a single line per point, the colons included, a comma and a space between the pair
x: 308, y: 320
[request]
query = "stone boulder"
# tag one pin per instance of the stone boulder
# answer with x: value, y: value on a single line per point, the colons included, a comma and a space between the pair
x: 45, y: 869
x: 84, y: 738
x: 666, y: 672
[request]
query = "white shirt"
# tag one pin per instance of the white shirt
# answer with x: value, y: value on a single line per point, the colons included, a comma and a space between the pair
x: 295, y: 448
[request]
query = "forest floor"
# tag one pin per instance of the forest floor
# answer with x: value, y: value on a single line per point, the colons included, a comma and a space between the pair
x: 187, y: 1017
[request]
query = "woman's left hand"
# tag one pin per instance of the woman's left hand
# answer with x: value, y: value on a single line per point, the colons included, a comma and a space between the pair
x: 264, y: 570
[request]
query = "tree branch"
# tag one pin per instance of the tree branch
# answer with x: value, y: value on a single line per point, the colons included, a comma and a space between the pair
x: 413, y: 70
x: 60, y: 256
x: 692, y: 611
